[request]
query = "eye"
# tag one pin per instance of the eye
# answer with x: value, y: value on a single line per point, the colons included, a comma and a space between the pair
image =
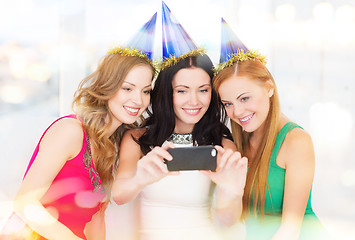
x: 181, y: 91
x: 226, y: 104
x: 244, y: 99
x: 126, y: 88
x: 204, y: 90
x: 147, y: 91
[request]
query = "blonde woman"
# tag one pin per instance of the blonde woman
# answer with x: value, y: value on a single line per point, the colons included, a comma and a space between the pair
x: 70, y: 172
x: 68, y: 180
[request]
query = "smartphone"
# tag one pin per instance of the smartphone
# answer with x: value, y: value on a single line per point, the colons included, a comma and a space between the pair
x: 193, y: 158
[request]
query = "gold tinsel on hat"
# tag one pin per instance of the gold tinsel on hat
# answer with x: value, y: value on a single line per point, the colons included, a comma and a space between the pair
x: 240, y: 56
x: 124, y: 51
x: 172, y: 60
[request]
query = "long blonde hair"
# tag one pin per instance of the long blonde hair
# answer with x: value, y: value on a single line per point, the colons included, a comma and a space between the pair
x: 256, y: 183
x: 91, y: 105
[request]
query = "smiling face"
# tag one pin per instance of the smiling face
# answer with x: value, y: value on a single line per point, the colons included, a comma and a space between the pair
x: 247, y: 102
x: 191, y: 97
x: 133, y: 97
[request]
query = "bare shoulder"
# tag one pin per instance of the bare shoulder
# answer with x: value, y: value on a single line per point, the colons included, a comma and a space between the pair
x: 226, y: 143
x: 298, y: 147
x: 129, y: 154
x: 133, y: 134
x: 298, y: 137
x: 66, y: 126
x: 65, y: 134
x: 129, y: 145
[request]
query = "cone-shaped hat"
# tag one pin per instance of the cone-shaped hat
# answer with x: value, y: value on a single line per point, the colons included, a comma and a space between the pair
x: 177, y: 44
x: 230, y: 43
x: 233, y: 49
x: 144, y: 38
x: 142, y: 43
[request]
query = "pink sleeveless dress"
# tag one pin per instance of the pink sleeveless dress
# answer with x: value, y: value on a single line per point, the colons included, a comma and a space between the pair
x: 76, y: 193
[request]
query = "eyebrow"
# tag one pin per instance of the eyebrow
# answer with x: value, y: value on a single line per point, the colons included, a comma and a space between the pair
x: 129, y: 83
x: 241, y: 95
x: 149, y: 85
x: 222, y: 100
x: 204, y: 85
x: 181, y: 86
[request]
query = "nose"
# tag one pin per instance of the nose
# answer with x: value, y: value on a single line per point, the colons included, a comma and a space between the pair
x: 193, y: 99
x: 238, y: 110
x: 138, y: 98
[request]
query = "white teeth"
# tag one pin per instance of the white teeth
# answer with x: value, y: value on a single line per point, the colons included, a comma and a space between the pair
x: 246, y: 118
x: 192, y: 111
x: 134, y: 110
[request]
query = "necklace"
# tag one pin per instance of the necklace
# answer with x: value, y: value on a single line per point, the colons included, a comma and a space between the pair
x: 181, y: 138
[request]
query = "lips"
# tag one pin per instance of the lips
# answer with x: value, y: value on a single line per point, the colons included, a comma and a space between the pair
x: 133, y: 111
x: 246, y: 119
x: 192, y: 111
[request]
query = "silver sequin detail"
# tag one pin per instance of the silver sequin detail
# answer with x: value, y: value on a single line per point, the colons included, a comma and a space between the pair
x: 181, y: 138
x: 93, y: 175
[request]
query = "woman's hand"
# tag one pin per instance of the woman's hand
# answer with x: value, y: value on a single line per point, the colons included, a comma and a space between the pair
x: 151, y: 167
x: 134, y: 171
x: 230, y: 175
x: 230, y: 178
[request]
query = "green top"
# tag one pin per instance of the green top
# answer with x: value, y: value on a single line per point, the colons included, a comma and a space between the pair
x: 265, y: 229
x: 276, y: 178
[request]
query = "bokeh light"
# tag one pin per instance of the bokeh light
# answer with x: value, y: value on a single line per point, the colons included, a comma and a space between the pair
x: 345, y: 14
x: 14, y: 94
x: 18, y: 64
x: 348, y: 178
x: 244, y: 14
x: 323, y: 12
x: 35, y: 213
x: 38, y: 72
x: 330, y: 122
x: 6, y: 208
x: 285, y: 12
x: 87, y: 199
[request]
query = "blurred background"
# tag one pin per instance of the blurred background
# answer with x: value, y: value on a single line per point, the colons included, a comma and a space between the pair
x: 47, y: 47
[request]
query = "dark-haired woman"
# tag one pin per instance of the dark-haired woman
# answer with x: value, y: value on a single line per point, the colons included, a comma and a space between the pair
x: 177, y: 205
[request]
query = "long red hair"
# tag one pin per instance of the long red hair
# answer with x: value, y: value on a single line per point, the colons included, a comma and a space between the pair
x: 256, y: 183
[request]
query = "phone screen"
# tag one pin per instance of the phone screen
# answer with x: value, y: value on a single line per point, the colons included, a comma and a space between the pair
x: 193, y: 158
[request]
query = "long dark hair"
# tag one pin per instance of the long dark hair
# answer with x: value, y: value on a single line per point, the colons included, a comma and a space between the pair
x: 161, y: 121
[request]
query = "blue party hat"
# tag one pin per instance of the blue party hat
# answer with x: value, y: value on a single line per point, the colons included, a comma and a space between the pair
x: 177, y: 44
x: 230, y: 43
x: 142, y: 43
x: 144, y: 39
x: 233, y: 49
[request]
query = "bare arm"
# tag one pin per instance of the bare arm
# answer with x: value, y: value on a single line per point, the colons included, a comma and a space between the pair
x: 134, y: 172
x: 230, y: 179
x: 61, y: 142
x: 96, y: 228
x: 125, y: 188
x: 297, y: 153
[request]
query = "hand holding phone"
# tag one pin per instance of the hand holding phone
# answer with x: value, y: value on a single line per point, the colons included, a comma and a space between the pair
x: 193, y: 158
